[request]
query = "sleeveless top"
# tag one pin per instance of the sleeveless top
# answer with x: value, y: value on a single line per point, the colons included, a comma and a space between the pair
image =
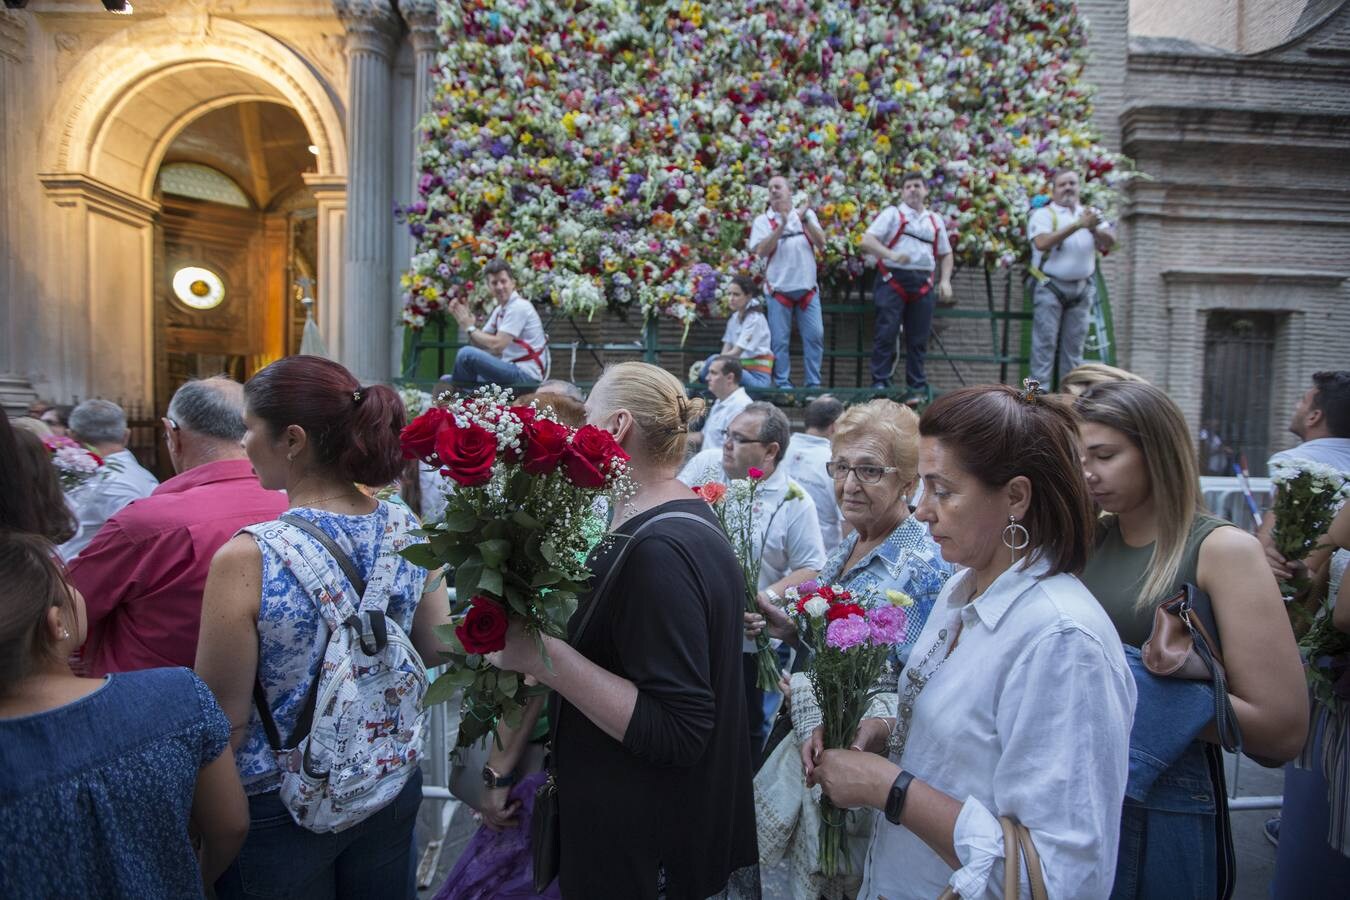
x: 1116, y: 572
x: 291, y: 634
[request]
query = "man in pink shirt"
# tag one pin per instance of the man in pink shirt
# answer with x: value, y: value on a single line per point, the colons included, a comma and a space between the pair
x: 143, y: 574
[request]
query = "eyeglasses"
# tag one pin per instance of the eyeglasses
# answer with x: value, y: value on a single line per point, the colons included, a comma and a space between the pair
x: 866, y: 474
x: 739, y: 439
x: 170, y: 426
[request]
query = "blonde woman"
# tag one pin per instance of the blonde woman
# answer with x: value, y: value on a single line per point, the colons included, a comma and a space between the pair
x: 1140, y: 465
x: 1085, y: 376
x: 651, y: 751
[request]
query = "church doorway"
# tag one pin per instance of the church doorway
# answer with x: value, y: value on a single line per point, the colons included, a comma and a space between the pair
x: 236, y: 244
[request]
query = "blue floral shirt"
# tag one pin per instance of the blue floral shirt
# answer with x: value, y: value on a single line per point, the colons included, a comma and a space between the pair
x: 291, y: 635
x: 908, y: 560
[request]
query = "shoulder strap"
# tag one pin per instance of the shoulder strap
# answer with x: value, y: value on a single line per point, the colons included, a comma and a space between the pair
x: 900, y: 229
x: 343, y: 560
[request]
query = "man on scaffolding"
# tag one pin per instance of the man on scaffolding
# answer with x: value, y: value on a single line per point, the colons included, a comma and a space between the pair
x: 912, y: 251
x: 1065, y: 240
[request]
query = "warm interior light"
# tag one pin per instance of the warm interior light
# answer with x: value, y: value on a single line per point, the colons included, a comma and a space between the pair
x: 314, y: 148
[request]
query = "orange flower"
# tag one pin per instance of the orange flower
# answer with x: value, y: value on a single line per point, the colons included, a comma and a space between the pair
x: 713, y: 492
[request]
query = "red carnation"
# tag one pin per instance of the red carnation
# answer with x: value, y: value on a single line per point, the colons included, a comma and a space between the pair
x: 755, y: 473
x: 484, y: 628
x: 545, y: 443
x: 827, y: 592
x: 466, y: 453
x: 592, y: 454
x: 843, y: 610
x: 418, y: 437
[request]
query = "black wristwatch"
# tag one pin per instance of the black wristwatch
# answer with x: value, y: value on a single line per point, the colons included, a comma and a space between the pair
x: 895, y: 800
x: 492, y: 780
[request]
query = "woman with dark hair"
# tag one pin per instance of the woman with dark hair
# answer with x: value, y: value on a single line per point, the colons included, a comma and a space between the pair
x: 747, y: 334
x: 1156, y: 536
x: 1016, y: 700
x: 32, y: 501
x: 100, y: 776
x: 314, y: 431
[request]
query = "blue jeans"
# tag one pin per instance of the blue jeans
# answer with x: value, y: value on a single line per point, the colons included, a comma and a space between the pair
x: 281, y: 860
x: 1169, y: 846
x: 474, y: 365
x: 917, y: 317
x: 748, y: 379
x: 812, y: 328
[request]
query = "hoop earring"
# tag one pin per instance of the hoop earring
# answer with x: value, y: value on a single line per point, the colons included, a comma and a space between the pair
x: 1015, y: 537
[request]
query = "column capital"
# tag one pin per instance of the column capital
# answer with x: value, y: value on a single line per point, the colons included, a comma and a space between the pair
x: 371, y: 25
x: 422, y: 21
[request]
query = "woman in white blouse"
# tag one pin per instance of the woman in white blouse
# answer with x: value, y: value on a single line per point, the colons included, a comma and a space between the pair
x: 746, y: 338
x: 1017, y: 700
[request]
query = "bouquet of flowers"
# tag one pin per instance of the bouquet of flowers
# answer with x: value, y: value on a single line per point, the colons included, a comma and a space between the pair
x: 512, y: 534
x: 1308, y: 498
x: 735, y: 508
x: 852, y: 638
x: 75, y: 463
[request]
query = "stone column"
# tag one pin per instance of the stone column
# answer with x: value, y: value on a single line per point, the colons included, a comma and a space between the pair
x: 366, y: 303
x: 421, y: 18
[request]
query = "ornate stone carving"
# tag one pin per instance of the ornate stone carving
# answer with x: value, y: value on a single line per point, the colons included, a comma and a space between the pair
x: 371, y: 25
x: 421, y: 18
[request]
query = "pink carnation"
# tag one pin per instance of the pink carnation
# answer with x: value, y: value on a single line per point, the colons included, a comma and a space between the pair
x: 887, y: 624
x: 848, y: 632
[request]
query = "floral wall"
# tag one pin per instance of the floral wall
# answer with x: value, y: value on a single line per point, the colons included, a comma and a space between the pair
x: 617, y: 152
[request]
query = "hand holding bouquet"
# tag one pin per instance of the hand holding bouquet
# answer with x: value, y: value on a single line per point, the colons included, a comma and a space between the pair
x: 852, y: 638
x: 75, y: 463
x: 512, y: 534
x: 1307, y: 499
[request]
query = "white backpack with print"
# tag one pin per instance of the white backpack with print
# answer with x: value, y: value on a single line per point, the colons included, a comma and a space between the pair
x: 357, y: 740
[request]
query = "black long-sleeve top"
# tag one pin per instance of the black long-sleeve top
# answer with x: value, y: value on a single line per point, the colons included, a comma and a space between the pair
x: 677, y: 792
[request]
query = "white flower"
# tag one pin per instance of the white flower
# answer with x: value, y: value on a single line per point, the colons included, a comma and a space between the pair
x: 816, y: 607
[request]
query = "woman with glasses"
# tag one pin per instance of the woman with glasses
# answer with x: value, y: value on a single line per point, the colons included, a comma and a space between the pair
x: 874, y: 455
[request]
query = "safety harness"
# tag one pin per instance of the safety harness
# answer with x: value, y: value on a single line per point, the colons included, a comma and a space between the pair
x: 889, y: 277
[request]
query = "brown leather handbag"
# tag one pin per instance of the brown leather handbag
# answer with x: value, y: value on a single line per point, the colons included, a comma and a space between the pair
x: 1015, y: 836
x: 1185, y: 644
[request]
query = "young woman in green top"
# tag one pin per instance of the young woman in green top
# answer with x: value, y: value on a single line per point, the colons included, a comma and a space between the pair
x: 1141, y: 469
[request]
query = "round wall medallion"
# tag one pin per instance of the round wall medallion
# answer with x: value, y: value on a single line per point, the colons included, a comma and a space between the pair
x: 198, y: 288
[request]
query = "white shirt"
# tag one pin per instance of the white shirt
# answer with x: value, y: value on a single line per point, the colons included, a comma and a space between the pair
x: 720, y: 416
x: 917, y: 242
x: 1332, y: 451
x: 1075, y: 257
x: 98, y: 499
x: 792, y: 265
x: 703, y: 467
x: 805, y: 462
x: 1029, y: 717
x: 750, y: 333
x: 518, y: 317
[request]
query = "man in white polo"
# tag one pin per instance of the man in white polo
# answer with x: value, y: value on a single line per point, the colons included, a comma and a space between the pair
x: 511, y: 347
x: 724, y: 381
x: 913, y: 254
x: 787, y: 240
x: 1065, y: 240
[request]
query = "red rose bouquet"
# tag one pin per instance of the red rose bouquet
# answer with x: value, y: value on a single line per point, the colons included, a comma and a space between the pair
x: 851, y: 639
x: 514, y: 535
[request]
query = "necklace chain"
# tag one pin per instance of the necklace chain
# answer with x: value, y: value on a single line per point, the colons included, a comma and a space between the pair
x: 915, y: 682
x: 319, y: 500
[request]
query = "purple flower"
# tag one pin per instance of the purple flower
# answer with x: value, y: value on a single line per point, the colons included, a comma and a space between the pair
x: 632, y: 186
x: 887, y: 624
x: 498, y: 148
x: 579, y: 197
x: 848, y: 632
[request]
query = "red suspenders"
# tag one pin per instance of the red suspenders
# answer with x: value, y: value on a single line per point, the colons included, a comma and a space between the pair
x: 890, y: 279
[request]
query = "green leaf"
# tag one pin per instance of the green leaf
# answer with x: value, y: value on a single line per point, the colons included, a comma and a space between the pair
x: 441, y: 690
x: 549, y: 552
x: 490, y: 581
x: 421, y: 555
x: 467, y: 577
x: 460, y: 520
x: 525, y: 520
x: 545, y: 578
x: 495, y: 552
x: 517, y: 600
x: 496, y: 530
x: 506, y: 683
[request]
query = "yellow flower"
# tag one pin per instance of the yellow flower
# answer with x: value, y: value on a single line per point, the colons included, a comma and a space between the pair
x: 831, y: 133
x: 569, y: 122
x: 794, y: 492
x: 713, y: 193
x: 883, y: 142
x: 899, y: 598
x: 828, y: 210
x: 527, y: 138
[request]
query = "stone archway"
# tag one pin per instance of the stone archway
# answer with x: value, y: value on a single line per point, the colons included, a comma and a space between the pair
x: 102, y: 146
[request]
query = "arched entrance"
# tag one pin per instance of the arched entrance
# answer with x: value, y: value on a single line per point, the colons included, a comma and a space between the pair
x: 138, y: 100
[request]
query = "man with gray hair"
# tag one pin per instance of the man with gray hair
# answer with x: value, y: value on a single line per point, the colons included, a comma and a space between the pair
x: 102, y: 425
x: 143, y: 575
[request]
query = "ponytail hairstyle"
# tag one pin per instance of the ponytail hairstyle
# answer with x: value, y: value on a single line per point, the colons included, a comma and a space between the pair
x: 30, y: 585
x: 1156, y: 427
x: 659, y: 406
x: 754, y: 296
x: 352, y: 428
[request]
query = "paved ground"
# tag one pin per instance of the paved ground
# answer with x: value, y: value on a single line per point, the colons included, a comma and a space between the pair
x: 1256, y: 856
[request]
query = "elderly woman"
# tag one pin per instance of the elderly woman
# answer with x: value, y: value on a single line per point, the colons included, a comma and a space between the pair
x: 651, y: 753
x: 1017, y: 700
x: 874, y: 453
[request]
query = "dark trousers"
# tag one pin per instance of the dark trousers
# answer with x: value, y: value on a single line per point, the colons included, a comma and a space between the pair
x: 917, y: 318
x: 754, y: 702
x: 369, y: 861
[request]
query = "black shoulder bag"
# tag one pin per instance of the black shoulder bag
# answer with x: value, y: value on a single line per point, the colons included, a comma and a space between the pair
x: 545, y: 838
